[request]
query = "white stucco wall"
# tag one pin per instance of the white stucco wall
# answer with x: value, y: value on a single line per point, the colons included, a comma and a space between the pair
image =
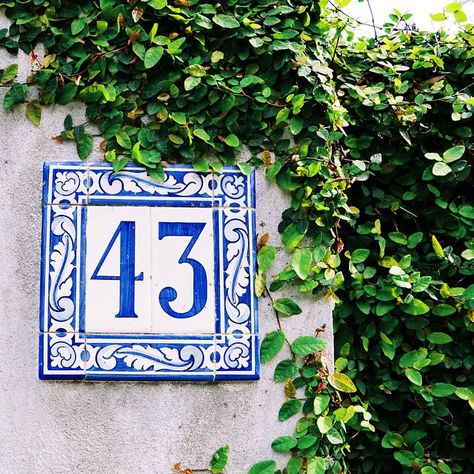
x: 84, y: 427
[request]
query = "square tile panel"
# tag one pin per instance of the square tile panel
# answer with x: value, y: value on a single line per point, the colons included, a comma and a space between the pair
x: 147, y: 281
x: 118, y: 276
x: 183, y: 271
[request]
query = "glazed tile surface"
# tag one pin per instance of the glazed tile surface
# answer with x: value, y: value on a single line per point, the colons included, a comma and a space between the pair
x: 147, y: 281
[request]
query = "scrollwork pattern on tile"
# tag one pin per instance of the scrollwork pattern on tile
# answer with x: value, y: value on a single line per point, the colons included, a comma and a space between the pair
x: 136, y: 182
x: 148, y: 358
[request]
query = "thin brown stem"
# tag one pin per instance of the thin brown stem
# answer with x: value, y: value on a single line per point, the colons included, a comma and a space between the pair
x: 277, y: 316
x: 373, y: 20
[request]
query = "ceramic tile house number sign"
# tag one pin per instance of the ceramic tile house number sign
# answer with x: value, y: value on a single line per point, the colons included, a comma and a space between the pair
x: 144, y: 280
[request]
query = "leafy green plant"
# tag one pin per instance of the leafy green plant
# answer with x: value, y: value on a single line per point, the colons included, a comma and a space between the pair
x: 372, y: 138
x: 326, y: 404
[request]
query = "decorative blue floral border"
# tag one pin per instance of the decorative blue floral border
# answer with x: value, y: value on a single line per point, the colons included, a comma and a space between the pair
x: 68, y: 352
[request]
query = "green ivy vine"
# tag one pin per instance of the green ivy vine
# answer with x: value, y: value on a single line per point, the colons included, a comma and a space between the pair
x: 373, y: 140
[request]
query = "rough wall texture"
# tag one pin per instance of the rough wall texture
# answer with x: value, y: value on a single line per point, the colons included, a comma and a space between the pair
x: 75, y: 427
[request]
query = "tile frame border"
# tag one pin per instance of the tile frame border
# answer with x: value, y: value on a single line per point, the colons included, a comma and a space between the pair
x: 67, y: 352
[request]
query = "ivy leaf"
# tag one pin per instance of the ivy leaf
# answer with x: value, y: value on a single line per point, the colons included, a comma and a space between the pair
x: 140, y: 50
x: 195, y: 70
x: 225, y: 21
x: 360, y: 255
x: 437, y: 247
x: 289, y: 409
x: 15, y: 95
x: 263, y: 467
x: 200, y: 164
x: 438, y: 16
x: 202, y: 134
x: 453, y: 154
x: 442, y: 389
x: 444, y: 310
x: 415, y: 308
x: 157, y: 4
x: 305, y: 345
x: 439, y: 338
x: 66, y: 93
x: 464, y: 393
x: 265, y: 257
x: 78, y: 25
x: 92, y: 93
x: 467, y: 211
x: 271, y: 346
x: 191, y: 82
x: 294, y: 465
x: 324, y: 424
x: 9, y: 74
x: 296, y: 125
x: 175, y: 47
x: 136, y: 153
x: 392, y: 440
x: 33, y: 112
x: 284, y: 443
x: 176, y: 139
x: 178, y: 117
x: 123, y: 139
x: 316, y: 465
x: 84, y: 146
x: 414, y: 376
x: 291, y: 236
x: 260, y: 284
x: 285, y: 370
x: 301, y: 261
x: 282, y: 115
x: 342, y: 382
x: 219, y: 460
x: 320, y: 403
x: 119, y: 165
x: 68, y: 123
x: 334, y: 437
x: 152, y: 56
x: 245, y: 168
x: 273, y: 170
x: 287, y: 307
x: 440, y: 168
x: 232, y: 140
x: 217, y: 56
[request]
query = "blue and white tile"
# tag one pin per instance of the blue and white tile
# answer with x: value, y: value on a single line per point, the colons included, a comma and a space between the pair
x: 118, y: 271
x: 172, y: 337
x: 232, y: 188
x: 183, y: 282
x: 65, y: 183
x: 182, y: 186
x: 237, y: 357
x: 62, y: 356
x: 238, y: 303
x: 60, y: 279
x: 146, y: 357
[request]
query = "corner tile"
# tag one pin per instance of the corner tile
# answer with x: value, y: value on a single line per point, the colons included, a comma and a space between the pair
x: 237, y: 357
x: 62, y: 356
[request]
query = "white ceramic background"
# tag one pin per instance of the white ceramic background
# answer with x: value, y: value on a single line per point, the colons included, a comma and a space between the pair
x: 167, y: 272
x: 158, y: 259
x: 103, y: 296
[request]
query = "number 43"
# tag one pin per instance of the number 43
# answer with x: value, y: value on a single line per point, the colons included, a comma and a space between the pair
x: 127, y: 278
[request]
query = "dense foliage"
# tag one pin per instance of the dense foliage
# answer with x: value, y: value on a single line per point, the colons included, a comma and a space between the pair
x: 372, y: 138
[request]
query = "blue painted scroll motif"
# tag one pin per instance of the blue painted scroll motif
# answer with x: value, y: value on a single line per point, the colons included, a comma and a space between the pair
x: 210, y: 333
